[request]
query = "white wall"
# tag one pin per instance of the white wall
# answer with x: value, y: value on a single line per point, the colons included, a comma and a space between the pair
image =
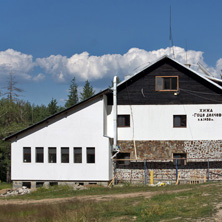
x: 83, y: 128
x: 155, y: 122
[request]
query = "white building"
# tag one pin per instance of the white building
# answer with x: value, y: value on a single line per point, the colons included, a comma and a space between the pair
x: 165, y: 111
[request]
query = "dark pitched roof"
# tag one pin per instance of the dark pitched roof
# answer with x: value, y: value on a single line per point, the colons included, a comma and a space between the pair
x: 207, y: 78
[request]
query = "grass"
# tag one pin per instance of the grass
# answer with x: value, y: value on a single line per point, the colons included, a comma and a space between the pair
x: 4, y: 185
x: 67, y: 191
x: 188, y: 205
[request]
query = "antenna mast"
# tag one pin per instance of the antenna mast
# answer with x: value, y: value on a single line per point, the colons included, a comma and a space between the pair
x: 171, y: 36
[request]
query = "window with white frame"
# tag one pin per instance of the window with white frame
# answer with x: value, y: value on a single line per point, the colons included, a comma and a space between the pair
x: 39, y: 155
x: 90, y: 152
x: 27, y: 154
x: 52, y: 154
x: 77, y: 151
x: 123, y: 121
x: 64, y: 154
x: 180, y: 121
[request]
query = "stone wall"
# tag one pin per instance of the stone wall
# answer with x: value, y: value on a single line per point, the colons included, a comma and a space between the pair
x: 186, y: 175
x: 158, y: 156
x: 165, y: 149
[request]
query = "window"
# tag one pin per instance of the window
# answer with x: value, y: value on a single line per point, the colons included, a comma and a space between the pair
x: 39, y: 184
x: 39, y: 156
x: 77, y: 155
x: 26, y: 184
x: 51, y: 184
x: 90, y: 155
x: 123, y: 158
x: 167, y: 83
x: 123, y: 121
x: 179, y: 159
x: 65, y: 154
x: 52, y: 154
x: 180, y: 121
x: 27, y: 154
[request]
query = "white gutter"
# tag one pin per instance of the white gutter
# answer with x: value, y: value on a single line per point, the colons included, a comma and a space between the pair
x: 115, y: 147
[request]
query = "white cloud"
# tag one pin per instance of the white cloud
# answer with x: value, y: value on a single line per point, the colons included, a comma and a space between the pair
x: 15, y: 62
x: 83, y: 66
x: 39, y: 77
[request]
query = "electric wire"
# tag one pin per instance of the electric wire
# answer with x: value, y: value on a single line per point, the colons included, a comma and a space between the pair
x: 214, y: 94
x: 203, y: 97
x: 131, y: 111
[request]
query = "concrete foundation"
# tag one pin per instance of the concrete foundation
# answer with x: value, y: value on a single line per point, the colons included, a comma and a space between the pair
x: 36, y: 184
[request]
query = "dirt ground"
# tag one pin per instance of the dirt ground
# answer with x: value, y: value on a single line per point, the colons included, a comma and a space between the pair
x: 86, y: 198
x: 217, y: 217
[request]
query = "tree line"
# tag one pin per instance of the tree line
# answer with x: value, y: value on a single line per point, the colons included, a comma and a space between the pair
x: 17, y: 114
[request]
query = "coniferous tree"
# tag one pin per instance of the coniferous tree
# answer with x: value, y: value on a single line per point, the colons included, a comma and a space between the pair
x: 87, y: 91
x: 12, y: 91
x: 52, y: 107
x: 73, y: 94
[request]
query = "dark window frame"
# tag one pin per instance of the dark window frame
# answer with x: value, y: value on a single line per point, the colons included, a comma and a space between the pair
x: 77, y: 156
x: 123, y: 120
x: 52, y: 160
x: 124, y: 158
x: 90, y: 157
x: 41, y: 155
x: 182, y: 123
x: 27, y: 156
x: 181, y: 159
x: 170, y: 78
x: 64, y: 155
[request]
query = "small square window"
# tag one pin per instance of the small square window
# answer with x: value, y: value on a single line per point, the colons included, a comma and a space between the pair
x: 167, y: 83
x: 26, y: 184
x: 123, y: 121
x: 123, y: 158
x: 179, y: 159
x: 90, y: 155
x: 27, y: 154
x: 39, y: 184
x: 65, y: 154
x: 52, y: 155
x: 39, y: 155
x: 180, y: 121
x: 77, y: 154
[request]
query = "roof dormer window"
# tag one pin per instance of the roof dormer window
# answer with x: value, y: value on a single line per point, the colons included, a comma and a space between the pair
x: 167, y: 83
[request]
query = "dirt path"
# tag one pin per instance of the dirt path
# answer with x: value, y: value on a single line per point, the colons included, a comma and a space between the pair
x: 87, y: 198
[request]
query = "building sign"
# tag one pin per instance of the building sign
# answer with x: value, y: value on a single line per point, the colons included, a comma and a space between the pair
x: 207, y: 115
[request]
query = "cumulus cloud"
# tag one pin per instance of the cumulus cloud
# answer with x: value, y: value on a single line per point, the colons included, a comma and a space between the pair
x: 39, y: 77
x: 15, y: 62
x: 89, y: 67
x: 83, y: 66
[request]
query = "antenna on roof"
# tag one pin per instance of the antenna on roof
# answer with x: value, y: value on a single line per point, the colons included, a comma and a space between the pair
x: 171, y: 36
x: 203, y: 69
x: 187, y: 64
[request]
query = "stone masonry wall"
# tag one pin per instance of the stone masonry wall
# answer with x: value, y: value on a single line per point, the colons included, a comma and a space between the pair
x: 165, y: 149
x: 158, y: 156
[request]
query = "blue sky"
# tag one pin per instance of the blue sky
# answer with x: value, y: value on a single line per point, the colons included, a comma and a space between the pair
x: 46, y: 43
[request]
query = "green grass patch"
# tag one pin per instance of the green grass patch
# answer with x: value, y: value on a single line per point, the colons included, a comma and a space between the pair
x: 4, y: 185
x: 185, y: 205
x: 67, y: 191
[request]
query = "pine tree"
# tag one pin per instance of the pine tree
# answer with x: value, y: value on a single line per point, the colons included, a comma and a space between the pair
x: 12, y: 92
x: 73, y: 94
x: 52, y: 107
x: 87, y: 91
